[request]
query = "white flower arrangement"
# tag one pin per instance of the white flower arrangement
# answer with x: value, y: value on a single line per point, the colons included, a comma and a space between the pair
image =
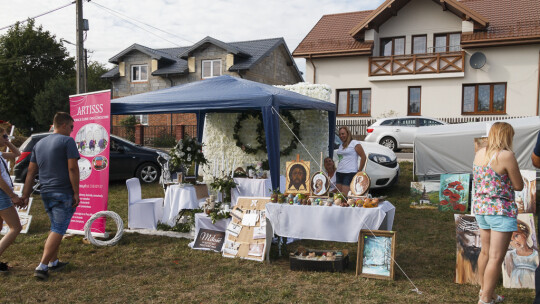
x: 219, y: 143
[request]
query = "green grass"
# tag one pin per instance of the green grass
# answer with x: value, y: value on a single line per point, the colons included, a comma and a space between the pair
x: 153, y: 269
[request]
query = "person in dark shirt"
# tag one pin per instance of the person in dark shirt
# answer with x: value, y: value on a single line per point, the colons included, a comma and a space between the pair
x: 56, y: 158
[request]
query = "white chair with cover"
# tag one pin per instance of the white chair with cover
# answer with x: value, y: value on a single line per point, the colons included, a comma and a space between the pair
x: 142, y: 213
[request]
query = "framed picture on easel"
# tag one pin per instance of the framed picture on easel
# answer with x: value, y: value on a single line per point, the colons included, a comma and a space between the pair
x: 297, y: 177
x: 320, y: 183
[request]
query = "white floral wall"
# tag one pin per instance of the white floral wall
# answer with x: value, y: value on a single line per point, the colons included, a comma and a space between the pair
x: 219, y: 143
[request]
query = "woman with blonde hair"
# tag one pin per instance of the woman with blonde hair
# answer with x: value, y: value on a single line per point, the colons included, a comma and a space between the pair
x: 348, y: 153
x: 8, y: 198
x: 495, y: 178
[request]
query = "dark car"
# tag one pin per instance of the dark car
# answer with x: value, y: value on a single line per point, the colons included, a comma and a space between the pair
x: 127, y: 160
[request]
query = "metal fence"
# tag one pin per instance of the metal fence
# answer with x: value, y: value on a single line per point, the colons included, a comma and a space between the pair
x: 157, y: 136
x: 359, y: 126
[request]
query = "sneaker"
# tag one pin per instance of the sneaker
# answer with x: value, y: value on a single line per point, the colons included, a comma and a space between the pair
x: 4, y: 268
x: 59, y: 266
x: 41, y: 274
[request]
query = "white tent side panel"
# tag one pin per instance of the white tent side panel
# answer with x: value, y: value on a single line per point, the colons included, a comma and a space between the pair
x: 450, y: 148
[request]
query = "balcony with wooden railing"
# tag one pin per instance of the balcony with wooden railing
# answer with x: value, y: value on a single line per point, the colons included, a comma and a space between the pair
x: 432, y: 63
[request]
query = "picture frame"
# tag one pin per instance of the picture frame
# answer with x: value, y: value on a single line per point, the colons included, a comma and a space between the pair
x: 320, y: 184
x: 297, y: 177
x: 360, y: 184
x: 376, y: 252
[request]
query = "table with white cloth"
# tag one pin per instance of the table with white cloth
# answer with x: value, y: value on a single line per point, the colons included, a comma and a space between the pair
x: 205, y: 222
x: 253, y: 187
x: 328, y: 223
x: 178, y: 197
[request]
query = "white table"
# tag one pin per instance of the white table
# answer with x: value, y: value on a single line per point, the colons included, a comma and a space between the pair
x: 328, y: 223
x: 205, y: 222
x: 178, y: 197
x: 253, y: 187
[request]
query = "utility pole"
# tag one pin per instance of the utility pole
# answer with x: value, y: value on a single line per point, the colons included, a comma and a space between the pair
x: 81, y: 73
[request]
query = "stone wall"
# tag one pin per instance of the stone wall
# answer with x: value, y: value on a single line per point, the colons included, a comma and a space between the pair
x: 274, y: 69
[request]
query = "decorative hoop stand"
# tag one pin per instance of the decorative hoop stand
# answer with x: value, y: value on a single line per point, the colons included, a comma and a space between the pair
x: 119, y: 225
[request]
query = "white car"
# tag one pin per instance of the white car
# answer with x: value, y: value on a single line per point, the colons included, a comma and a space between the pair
x: 398, y: 132
x: 381, y: 167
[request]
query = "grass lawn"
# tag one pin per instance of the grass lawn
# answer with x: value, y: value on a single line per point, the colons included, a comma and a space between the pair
x: 153, y: 269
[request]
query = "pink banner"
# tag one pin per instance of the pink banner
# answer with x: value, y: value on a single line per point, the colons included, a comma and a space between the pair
x: 91, y: 132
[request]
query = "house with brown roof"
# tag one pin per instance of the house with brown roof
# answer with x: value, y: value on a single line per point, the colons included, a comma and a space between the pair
x: 439, y: 58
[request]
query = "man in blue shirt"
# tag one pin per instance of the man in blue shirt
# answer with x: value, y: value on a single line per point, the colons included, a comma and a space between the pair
x: 55, y: 157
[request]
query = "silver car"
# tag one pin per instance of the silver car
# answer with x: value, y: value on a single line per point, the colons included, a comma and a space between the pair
x: 398, y: 132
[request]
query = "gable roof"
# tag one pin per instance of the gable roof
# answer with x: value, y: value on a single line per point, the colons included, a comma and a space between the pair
x: 389, y: 8
x: 498, y: 22
x: 330, y: 37
x: 173, y: 60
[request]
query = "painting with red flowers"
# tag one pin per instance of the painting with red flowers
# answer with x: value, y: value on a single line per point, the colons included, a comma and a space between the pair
x: 454, y: 192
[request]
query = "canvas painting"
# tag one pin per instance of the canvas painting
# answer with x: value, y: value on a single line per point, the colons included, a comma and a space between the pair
x: 424, y: 195
x: 454, y: 192
x: 376, y: 254
x: 526, y: 198
x: 468, y: 248
x: 297, y: 177
x: 320, y: 183
x: 521, y: 260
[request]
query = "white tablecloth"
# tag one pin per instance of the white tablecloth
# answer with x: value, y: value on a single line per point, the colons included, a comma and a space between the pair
x: 204, y: 221
x: 328, y: 223
x: 178, y: 197
x: 253, y: 187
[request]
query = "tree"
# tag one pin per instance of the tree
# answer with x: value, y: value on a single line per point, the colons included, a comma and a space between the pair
x: 53, y: 98
x: 29, y: 58
x: 94, y: 82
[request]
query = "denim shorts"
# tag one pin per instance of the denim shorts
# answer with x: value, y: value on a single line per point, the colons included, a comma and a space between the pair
x: 5, y: 200
x: 344, y: 178
x: 501, y: 223
x: 59, y: 209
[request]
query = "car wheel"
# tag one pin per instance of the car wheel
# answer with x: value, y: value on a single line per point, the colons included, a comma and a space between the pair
x: 389, y: 142
x: 148, y: 173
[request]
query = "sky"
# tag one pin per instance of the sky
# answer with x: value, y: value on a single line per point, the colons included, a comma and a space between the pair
x: 115, y: 25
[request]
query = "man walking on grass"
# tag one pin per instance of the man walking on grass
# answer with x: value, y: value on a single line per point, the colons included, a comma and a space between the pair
x: 55, y: 158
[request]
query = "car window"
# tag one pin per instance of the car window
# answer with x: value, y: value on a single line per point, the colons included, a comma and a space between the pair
x: 388, y: 122
x: 116, y: 145
x: 407, y: 122
x: 429, y: 122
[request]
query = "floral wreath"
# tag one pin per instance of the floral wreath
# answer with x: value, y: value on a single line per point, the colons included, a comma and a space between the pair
x: 260, y: 133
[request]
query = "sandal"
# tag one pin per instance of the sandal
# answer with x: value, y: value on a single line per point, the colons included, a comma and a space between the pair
x: 482, y: 302
x: 496, y: 299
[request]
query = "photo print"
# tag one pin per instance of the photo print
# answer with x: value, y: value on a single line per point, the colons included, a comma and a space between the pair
x: 521, y: 259
x: 237, y: 213
x: 234, y: 229
x: 256, y: 249
x: 91, y: 139
x: 250, y: 218
x: 262, y: 218
x: 468, y: 248
x: 85, y: 168
x: 320, y: 183
x: 231, y: 247
x: 424, y: 195
x: 454, y: 192
x: 526, y: 198
x: 259, y: 233
x: 100, y: 162
x: 18, y: 188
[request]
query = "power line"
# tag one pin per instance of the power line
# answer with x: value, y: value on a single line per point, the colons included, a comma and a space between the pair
x: 125, y: 18
x: 53, y: 10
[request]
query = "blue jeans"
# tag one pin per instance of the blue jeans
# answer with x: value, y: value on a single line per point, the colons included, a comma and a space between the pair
x: 5, y: 200
x: 60, y: 210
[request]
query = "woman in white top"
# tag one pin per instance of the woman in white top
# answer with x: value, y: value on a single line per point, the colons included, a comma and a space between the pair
x: 348, y: 153
x: 8, y: 198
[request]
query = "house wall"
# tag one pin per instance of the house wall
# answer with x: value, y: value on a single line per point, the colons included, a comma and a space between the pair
x: 274, y: 69
x: 419, y: 17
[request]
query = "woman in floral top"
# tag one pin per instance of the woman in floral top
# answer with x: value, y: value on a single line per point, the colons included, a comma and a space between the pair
x: 496, y: 177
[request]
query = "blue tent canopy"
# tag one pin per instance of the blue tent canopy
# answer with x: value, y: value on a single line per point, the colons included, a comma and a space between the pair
x: 229, y: 94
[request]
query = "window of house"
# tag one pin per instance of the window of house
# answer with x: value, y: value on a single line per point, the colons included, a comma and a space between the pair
x: 354, y: 102
x: 211, y: 68
x: 139, y: 72
x: 414, y: 101
x: 450, y: 42
x: 142, y: 119
x: 419, y: 44
x: 392, y: 46
x: 484, y: 98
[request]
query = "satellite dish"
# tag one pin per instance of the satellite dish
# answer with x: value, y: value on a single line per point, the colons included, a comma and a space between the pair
x: 478, y: 60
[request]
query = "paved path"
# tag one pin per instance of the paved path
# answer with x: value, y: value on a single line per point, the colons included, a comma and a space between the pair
x: 404, y: 156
